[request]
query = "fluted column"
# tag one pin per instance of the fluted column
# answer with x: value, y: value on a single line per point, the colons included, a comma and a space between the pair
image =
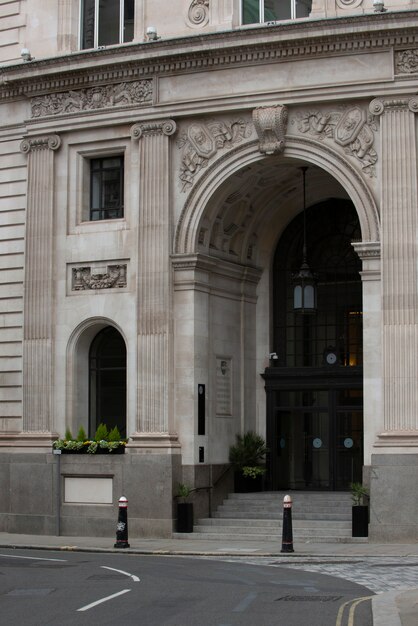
x: 399, y: 205
x: 38, y: 289
x: 154, y: 281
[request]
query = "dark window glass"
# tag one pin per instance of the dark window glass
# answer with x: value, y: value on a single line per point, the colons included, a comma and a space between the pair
x: 128, y: 20
x: 304, y: 340
x: 106, y: 188
x: 274, y: 10
x: 88, y: 24
x: 108, y: 381
x: 109, y: 24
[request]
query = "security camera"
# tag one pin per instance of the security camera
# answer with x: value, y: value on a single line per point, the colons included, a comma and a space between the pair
x: 152, y: 33
x: 26, y: 55
x: 273, y: 355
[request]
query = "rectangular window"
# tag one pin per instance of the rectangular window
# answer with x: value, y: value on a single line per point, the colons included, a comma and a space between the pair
x: 260, y: 11
x: 106, y: 188
x: 106, y: 22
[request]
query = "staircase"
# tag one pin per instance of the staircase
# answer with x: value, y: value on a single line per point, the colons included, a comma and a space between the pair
x: 316, y: 517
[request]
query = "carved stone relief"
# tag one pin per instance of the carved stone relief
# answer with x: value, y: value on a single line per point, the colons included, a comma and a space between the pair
x: 203, y: 141
x: 351, y: 128
x: 198, y: 13
x: 349, y: 4
x: 271, y: 123
x: 120, y: 94
x: 87, y: 277
x: 406, y: 61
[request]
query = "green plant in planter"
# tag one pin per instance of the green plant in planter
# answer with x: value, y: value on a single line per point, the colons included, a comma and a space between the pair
x: 248, y: 451
x: 253, y: 472
x: 101, y: 433
x: 81, y: 436
x: 358, y: 493
x: 183, y: 492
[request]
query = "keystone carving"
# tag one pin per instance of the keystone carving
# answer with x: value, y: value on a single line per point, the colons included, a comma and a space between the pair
x: 87, y: 277
x: 202, y: 142
x: 352, y: 129
x: 271, y: 123
x: 120, y: 94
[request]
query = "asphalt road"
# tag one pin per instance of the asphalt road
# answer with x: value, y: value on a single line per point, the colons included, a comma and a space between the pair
x: 56, y: 588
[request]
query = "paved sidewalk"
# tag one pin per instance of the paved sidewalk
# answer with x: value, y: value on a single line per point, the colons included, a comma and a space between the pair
x: 398, y: 607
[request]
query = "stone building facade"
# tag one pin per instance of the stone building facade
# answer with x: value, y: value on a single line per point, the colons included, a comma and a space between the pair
x: 157, y: 163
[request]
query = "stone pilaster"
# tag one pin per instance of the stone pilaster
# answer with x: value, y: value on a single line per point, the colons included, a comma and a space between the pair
x: 38, y: 289
x: 399, y: 202
x: 154, y: 283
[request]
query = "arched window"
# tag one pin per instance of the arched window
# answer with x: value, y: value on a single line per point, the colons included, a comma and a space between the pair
x: 107, y: 378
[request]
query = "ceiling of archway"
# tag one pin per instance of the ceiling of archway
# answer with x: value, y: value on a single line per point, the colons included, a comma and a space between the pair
x: 250, y: 210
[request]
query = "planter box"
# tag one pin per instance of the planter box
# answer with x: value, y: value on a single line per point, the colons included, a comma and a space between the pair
x: 360, y: 521
x: 185, y: 517
x: 245, y: 484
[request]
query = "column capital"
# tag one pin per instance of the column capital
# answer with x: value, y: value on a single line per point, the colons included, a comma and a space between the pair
x: 47, y: 142
x: 367, y: 249
x: 380, y: 105
x: 144, y: 129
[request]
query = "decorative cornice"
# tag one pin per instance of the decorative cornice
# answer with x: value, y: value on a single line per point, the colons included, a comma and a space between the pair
x: 378, y: 106
x: 75, y: 101
x: 146, y: 129
x: 271, y: 124
x: 49, y: 142
x: 292, y: 40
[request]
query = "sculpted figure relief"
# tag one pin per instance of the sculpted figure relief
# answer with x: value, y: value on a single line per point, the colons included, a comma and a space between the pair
x: 406, y: 61
x: 87, y: 277
x: 121, y: 94
x: 352, y: 129
x: 201, y: 142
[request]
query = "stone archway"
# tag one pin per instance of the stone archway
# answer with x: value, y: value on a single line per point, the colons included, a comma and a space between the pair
x: 78, y: 370
x: 223, y: 249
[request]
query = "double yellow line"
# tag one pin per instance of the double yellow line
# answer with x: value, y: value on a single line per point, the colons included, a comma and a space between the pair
x: 354, y: 604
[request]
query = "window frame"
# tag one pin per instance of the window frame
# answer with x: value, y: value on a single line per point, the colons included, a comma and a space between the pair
x: 261, y: 11
x: 96, y: 26
x: 102, y: 209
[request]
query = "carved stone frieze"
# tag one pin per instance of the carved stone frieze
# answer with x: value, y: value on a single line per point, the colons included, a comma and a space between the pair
x: 271, y: 123
x: 163, y: 127
x: 406, y: 61
x: 48, y: 142
x: 202, y: 141
x: 351, y: 128
x: 107, y: 277
x: 120, y: 94
x: 198, y: 13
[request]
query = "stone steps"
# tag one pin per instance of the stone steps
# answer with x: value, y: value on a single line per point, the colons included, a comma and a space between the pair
x: 316, y: 517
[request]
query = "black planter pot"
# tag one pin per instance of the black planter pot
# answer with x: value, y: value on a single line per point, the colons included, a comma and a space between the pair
x: 246, y: 484
x: 360, y: 521
x: 185, y: 517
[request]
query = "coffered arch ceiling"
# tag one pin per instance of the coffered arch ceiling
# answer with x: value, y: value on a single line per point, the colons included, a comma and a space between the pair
x: 248, y: 211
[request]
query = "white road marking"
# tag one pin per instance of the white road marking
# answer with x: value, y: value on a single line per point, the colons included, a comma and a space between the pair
x: 93, y: 604
x: 134, y: 578
x: 245, y: 603
x: 33, y: 558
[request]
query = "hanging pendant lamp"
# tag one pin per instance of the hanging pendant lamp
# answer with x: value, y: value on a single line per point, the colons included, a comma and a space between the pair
x: 304, y: 283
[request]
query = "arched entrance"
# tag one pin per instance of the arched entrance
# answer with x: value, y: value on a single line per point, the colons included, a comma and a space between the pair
x: 107, y: 381
x: 314, y: 388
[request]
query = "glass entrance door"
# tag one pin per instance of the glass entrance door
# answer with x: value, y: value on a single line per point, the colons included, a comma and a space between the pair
x: 317, y: 439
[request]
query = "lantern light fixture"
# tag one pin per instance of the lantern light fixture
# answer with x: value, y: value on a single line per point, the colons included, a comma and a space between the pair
x: 304, y: 283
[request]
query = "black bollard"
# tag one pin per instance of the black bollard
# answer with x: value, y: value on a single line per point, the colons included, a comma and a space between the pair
x: 287, y: 537
x: 122, y: 527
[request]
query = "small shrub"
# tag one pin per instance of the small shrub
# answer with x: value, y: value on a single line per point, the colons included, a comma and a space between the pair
x: 114, y: 434
x: 68, y: 434
x: 101, y: 433
x: 81, y: 436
